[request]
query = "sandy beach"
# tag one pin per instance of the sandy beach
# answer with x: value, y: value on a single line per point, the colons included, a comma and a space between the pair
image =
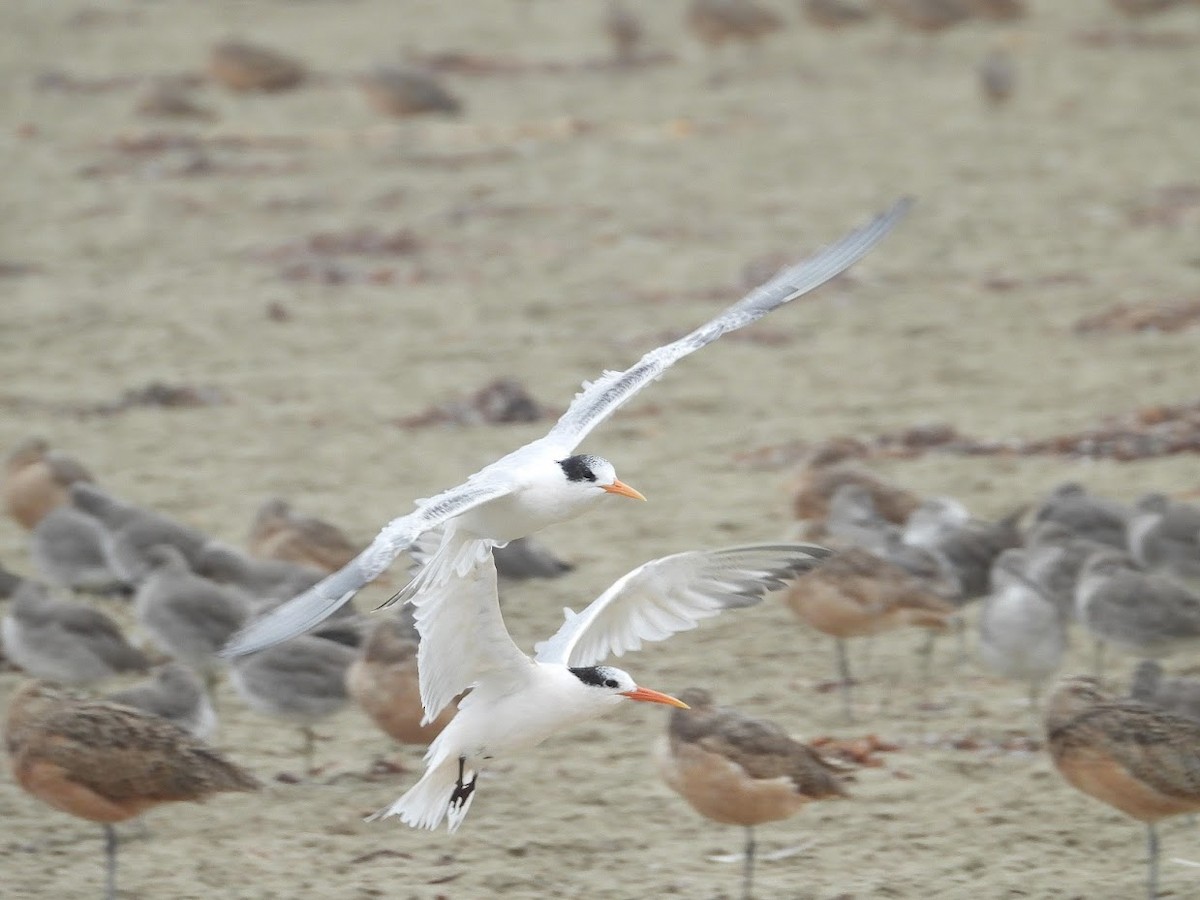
x: 317, y: 276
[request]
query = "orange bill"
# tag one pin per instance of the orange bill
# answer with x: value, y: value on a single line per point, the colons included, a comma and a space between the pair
x: 620, y: 487
x: 650, y: 696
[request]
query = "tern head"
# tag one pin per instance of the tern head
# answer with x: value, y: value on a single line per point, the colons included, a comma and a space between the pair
x: 614, y: 684
x: 595, y: 475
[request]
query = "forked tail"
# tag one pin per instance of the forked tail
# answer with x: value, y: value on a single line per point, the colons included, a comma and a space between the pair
x: 445, y: 791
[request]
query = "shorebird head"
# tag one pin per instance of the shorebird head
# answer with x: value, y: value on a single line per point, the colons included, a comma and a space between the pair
x: 595, y: 475
x: 610, y: 682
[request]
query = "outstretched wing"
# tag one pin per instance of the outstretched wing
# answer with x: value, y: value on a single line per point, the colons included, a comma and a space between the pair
x: 463, y: 637
x: 599, y: 399
x: 306, y: 611
x: 673, y: 594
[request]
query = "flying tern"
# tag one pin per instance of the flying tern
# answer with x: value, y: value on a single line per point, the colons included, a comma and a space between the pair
x: 543, y: 482
x: 517, y: 702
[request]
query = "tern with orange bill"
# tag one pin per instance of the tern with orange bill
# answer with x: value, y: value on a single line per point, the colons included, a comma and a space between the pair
x: 545, y: 481
x: 517, y: 702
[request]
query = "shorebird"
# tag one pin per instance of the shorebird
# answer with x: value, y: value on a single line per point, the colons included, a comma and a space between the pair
x: 1022, y: 632
x: 929, y: 16
x: 1095, y: 518
x: 1177, y: 695
x: 36, y: 479
x: 525, y: 558
x: 302, y: 681
x: 279, y: 533
x: 516, y: 702
x: 175, y: 693
x: 1138, y: 759
x: 968, y: 545
x: 624, y: 30
x: 106, y: 762
x: 740, y: 771
x: 815, y: 485
x: 999, y: 10
x: 188, y: 617
x: 64, y: 640
x: 714, y: 22
x: 132, y: 532
x: 835, y: 14
x: 383, y: 681
x: 1054, y: 557
x: 243, y: 66
x: 402, y: 92
x: 1143, y: 614
x: 262, y: 579
x: 544, y: 482
x: 1164, y: 535
x: 856, y: 593
x: 67, y: 548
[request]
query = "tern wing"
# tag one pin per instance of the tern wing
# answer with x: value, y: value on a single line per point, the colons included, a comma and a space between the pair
x: 463, y: 637
x: 306, y: 611
x: 673, y: 594
x: 599, y: 399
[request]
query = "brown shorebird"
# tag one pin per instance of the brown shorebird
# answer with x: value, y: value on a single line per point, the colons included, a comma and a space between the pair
x: 64, y: 640
x: 279, y: 533
x: 835, y: 14
x: 177, y: 694
x: 36, y: 479
x: 1141, y: 760
x: 170, y: 100
x: 302, y: 680
x: 383, y: 681
x: 403, y: 92
x: 998, y: 10
x: 1136, y: 9
x: 815, y: 484
x: 929, y: 16
x: 740, y: 771
x: 624, y: 30
x: 243, y: 66
x: 107, y: 763
x: 855, y: 593
x: 714, y: 22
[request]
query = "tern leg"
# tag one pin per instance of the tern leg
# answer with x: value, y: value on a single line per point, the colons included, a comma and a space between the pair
x: 110, y: 859
x: 844, y: 674
x: 748, y: 872
x: 1151, y: 861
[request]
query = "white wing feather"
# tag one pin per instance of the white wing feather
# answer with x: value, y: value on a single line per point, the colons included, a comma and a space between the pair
x: 306, y: 611
x: 463, y: 637
x: 599, y: 399
x: 672, y: 594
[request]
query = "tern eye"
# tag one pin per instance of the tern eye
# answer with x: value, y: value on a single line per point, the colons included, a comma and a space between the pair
x: 610, y: 682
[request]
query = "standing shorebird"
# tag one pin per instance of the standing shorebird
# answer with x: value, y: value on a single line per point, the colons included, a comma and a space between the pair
x: 854, y: 594
x: 545, y: 481
x: 67, y: 548
x: 740, y: 771
x: 36, y: 479
x: 1134, y: 757
x: 107, y: 763
x: 279, y: 533
x: 517, y: 702
x: 175, y: 693
x: 1179, y: 695
x: 1086, y: 515
x: 384, y: 682
x: 244, y: 67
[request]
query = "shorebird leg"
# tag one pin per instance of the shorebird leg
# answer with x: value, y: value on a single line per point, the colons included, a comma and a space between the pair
x: 110, y: 859
x: 748, y: 873
x: 844, y: 674
x: 1151, y: 861
x: 310, y: 741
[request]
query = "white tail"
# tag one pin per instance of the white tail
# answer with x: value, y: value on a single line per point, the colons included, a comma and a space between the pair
x: 433, y: 798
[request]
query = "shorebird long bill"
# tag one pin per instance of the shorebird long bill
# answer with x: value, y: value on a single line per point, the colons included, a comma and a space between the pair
x: 650, y: 696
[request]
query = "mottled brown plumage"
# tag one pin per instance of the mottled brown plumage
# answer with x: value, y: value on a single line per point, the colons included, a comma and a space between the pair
x: 738, y: 770
x: 383, y: 681
x: 714, y: 22
x: 106, y: 762
x: 36, y: 479
x: 243, y: 66
x: 930, y: 16
x: 855, y: 593
x: 1138, y: 759
x: 403, y: 92
x: 814, y: 486
x: 279, y: 533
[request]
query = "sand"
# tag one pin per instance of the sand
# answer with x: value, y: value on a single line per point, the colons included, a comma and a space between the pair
x: 572, y: 219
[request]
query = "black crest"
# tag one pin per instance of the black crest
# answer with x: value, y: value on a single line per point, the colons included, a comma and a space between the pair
x: 578, y: 468
x: 594, y: 675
